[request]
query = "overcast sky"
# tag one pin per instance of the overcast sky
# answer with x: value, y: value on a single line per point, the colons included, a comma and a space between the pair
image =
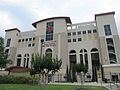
x: 22, y: 13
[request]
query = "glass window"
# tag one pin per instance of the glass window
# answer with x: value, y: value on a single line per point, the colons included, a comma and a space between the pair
x: 94, y: 30
x: 79, y: 39
x: 74, y: 33
x: 107, y: 30
x: 89, y: 31
x: 48, y: 52
x: 69, y: 34
x: 69, y: 40
x: 49, y: 31
x: 26, y: 39
x: 74, y: 40
x: 79, y: 32
x: 18, y: 61
x: 8, y: 42
x: 29, y: 45
x: 7, y: 51
x: 19, y: 40
x: 81, y: 59
x: 33, y: 44
x: 84, y: 32
x: 33, y: 38
x: 22, y: 40
x: 30, y: 39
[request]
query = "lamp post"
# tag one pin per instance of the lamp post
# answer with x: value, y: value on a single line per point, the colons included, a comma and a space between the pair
x: 42, y: 40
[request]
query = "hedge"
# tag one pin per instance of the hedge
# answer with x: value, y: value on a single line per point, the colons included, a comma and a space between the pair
x: 9, y: 79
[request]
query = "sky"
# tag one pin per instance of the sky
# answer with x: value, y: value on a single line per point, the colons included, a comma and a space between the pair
x: 22, y: 13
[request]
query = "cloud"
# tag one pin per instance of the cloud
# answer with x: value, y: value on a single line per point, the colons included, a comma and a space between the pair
x: 79, y: 11
x: 6, y: 22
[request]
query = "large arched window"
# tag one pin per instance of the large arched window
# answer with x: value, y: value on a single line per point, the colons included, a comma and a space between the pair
x: 72, y: 56
x: 26, y: 60
x: 94, y: 50
x: 72, y: 60
x: 19, y: 57
x: 84, y: 57
x: 48, y: 52
x: 95, y: 63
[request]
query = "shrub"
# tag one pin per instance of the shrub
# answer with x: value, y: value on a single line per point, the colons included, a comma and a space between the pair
x: 9, y: 79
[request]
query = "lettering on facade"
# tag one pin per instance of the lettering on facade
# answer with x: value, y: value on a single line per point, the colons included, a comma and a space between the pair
x: 49, y: 44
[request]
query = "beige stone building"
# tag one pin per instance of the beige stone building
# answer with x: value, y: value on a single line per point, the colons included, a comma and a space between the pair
x: 95, y: 44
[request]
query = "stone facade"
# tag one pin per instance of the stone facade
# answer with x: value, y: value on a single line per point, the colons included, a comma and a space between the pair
x: 95, y: 44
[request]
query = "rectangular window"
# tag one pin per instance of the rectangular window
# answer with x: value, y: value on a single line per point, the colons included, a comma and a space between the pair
x: 49, y: 31
x: 29, y: 45
x: 22, y: 40
x: 81, y: 59
x: 74, y: 40
x: 84, y: 32
x: 33, y: 38
x: 30, y: 39
x: 94, y: 31
x: 74, y: 33
x: 79, y: 39
x: 69, y: 40
x: 107, y: 30
x: 79, y: 32
x: 18, y: 62
x: 33, y: 44
x: 69, y: 34
x: 89, y: 31
x: 26, y: 39
x: 19, y: 40
x: 8, y: 42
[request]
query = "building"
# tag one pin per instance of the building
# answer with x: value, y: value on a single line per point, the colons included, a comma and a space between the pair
x: 95, y: 44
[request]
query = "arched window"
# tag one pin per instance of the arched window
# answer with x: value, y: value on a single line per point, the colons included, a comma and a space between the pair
x: 95, y: 63
x: 84, y: 57
x: 19, y: 57
x: 26, y: 60
x: 72, y: 61
x: 72, y: 51
x: 94, y: 50
x: 48, y: 52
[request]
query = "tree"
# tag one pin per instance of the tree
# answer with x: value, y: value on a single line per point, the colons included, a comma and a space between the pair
x: 56, y: 64
x: 3, y: 56
x: 81, y: 69
x: 43, y: 65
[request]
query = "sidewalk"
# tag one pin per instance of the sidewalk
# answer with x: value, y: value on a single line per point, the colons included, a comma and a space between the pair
x: 109, y: 86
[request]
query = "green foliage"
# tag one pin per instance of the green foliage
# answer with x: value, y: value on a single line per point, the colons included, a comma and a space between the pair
x: 45, y: 64
x: 81, y: 68
x: 3, y: 57
x: 56, y: 64
x: 8, y: 79
x: 37, y: 63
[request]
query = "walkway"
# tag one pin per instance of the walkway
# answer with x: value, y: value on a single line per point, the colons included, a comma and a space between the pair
x: 109, y: 86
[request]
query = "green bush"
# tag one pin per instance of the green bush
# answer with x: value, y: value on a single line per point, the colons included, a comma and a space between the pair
x: 9, y: 79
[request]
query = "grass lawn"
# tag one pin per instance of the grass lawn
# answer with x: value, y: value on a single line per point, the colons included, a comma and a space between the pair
x: 49, y: 87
